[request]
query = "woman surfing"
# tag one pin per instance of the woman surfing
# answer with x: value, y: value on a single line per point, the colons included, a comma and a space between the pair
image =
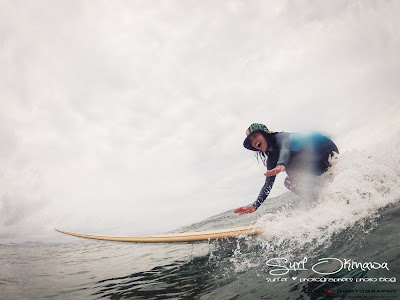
x: 299, y: 155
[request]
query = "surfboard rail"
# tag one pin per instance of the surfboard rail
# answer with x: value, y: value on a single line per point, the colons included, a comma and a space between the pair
x: 174, y: 237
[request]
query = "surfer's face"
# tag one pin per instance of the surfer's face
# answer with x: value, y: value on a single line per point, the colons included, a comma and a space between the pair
x: 258, y: 141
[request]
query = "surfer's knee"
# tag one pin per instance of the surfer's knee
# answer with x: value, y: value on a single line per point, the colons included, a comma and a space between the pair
x: 290, y: 183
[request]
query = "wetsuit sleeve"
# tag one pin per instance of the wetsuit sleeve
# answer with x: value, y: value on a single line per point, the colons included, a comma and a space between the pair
x: 283, y: 143
x: 269, y: 182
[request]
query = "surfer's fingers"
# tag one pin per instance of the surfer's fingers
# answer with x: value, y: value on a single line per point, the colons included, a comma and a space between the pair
x: 275, y: 171
x: 271, y: 173
x: 243, y: 210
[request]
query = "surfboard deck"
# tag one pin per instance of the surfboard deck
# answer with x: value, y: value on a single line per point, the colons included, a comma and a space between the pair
x: 174, y: 237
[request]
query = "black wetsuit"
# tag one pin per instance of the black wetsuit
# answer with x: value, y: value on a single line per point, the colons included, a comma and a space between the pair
x: 299, y: 153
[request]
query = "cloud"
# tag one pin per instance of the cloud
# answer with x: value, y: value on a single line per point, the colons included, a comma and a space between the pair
x: 132, y: 115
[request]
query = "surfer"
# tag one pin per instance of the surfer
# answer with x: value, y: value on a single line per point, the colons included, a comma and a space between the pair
x: 299, y: 155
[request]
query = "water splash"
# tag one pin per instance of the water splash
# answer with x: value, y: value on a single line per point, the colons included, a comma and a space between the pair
x: 352, y: 192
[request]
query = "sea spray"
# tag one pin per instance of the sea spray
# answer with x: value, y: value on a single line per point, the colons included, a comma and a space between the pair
x: 354, y: 189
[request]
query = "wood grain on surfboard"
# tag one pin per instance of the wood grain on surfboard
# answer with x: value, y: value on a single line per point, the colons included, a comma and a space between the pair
x: 174, y: 237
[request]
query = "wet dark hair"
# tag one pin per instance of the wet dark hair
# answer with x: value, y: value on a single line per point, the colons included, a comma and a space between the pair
x: 261, y: 156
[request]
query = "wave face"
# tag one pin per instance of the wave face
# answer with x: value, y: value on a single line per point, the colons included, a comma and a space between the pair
x: 353, y: 223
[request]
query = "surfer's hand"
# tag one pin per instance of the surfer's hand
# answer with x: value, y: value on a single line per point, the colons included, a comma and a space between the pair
x: 245, y: 210
x: 275, y: 171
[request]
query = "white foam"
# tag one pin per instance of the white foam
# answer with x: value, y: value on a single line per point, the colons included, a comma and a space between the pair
x: 355, y: 188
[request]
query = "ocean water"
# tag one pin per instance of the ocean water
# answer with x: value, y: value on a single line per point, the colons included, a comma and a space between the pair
x: 343, y: 245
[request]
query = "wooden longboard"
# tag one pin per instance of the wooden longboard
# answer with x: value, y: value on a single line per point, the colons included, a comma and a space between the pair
x: 175, y: 237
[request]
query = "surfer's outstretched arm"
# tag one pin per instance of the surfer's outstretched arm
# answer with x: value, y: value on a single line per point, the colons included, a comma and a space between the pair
x: 265, y: 190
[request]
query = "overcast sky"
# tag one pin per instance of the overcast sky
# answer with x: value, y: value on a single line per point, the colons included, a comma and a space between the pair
x: 127, y: 117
